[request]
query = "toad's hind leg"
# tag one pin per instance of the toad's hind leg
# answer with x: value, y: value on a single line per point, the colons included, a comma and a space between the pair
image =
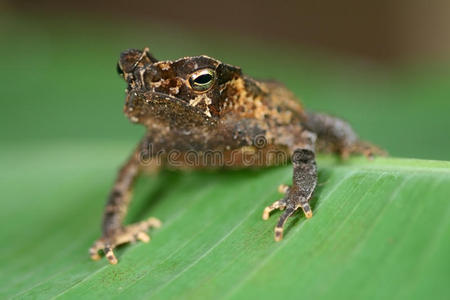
x: 298, y: 195
x: 114, y: 232
x: 336, y: 135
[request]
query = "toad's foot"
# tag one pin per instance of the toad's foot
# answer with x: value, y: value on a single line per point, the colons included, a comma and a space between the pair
x: 360, y: 147
x: 288, y: 203
x: 279, y: 204
x: 127, y: 234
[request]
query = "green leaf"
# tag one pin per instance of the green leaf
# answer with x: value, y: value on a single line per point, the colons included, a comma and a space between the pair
x: 380, y: 230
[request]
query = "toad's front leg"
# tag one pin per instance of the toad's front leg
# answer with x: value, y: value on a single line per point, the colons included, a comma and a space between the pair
x: 298, y: 195
x: 114, y: 232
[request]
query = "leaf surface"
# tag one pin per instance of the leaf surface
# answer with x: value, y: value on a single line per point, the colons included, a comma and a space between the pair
x: 380, y: 229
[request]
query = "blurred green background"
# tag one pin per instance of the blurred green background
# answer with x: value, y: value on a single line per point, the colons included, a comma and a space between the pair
x: 63, y: 134
x: 58, y: 79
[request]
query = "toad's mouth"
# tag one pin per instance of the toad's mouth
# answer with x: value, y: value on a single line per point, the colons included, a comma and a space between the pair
x: 150, y: 107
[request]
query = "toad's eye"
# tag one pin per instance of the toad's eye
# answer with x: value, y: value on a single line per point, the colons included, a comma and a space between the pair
x: 202, y: 80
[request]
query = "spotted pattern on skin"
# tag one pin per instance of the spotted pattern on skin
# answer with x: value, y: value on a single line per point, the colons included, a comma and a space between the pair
x: 200, y: 98
x: 164, y: 66
x: 232, y: 92
x: 254, y: 105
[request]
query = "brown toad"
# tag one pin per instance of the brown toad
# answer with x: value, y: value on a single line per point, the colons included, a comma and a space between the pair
x: 202, y: 113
